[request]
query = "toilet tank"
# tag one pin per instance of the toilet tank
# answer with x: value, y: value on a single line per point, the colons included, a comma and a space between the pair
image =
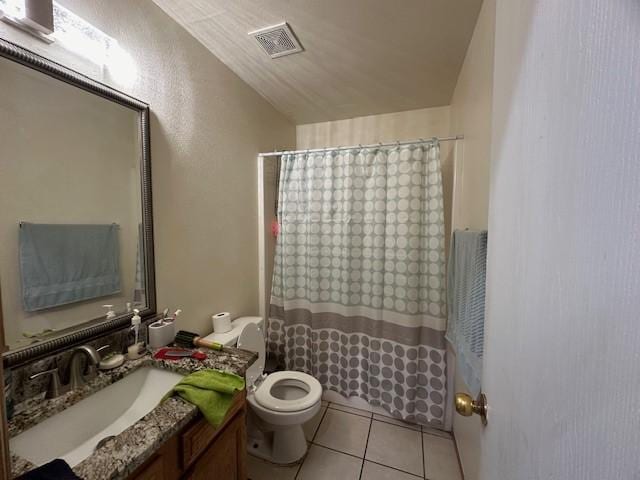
x: 230, y: 338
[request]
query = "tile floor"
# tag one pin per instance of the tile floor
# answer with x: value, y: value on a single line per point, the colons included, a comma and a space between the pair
x: 351, y: 444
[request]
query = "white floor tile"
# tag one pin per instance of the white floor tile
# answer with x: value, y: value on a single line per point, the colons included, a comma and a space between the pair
x: 396, y: 447
x: 353, y: 402
x: 343, y: 432
x: 440, y: 458
x: 355, y: 411
x: 324, y: 464
x: 312, y: 425
x: 395, y: 421
x: 373, y: 471
x: 436, y: 432
x: 261, y: 470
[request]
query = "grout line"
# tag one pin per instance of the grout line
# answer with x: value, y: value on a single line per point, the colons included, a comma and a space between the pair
x: 424, y: 458
x: 313, y: 437
x: 338, y: 451
x: 311, y: 441
x: 299, y: 468
x: 455, y: 444
x: 363, y: 414
x: 368, y: 460
x: 366, y: 445
x: 393, y: 468
x: 401, y: 426
x: 445, y: 435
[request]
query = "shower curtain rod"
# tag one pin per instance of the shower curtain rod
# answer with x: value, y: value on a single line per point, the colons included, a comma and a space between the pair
x: 372, y: 145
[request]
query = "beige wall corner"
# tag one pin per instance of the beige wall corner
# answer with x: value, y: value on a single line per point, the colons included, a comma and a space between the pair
x: 471, y: 115
x: 471, y: 107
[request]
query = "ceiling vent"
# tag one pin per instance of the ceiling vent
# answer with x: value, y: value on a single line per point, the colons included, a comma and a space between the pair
x: 277, y: 40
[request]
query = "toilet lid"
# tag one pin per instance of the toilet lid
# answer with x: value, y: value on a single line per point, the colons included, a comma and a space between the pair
x: 265, y: 398
x: 252, y: 339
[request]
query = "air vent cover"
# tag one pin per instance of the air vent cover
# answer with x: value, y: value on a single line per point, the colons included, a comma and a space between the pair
x: 277, y: 40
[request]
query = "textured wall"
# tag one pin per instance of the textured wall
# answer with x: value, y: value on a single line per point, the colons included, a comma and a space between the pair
x: 471, y: 115
x: 207, y: 127
x: 563, y: 341
x: 388, y: 127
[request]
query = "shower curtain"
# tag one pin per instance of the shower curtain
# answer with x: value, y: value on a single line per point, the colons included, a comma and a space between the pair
x: 358, y: 294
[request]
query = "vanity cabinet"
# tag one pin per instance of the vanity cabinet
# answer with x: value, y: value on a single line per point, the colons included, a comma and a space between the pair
x: 201, y: 452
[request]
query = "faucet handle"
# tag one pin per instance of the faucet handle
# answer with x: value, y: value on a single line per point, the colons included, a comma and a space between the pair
x: 104, y: 347
x: 53, y: 390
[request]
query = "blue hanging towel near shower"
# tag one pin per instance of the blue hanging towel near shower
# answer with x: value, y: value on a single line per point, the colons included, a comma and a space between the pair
x: 467, y: 275
x: 62, y: 264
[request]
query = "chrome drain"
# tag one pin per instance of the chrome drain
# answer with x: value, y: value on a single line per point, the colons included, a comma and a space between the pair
x: 102, y: 442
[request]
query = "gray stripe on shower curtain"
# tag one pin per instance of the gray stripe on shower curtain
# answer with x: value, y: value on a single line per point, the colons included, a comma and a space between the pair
x: 358, y: 294
x: 398, y: 333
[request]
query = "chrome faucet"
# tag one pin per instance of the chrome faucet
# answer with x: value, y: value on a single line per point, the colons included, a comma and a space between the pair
x: 55, y: 388
x: 76, y: 377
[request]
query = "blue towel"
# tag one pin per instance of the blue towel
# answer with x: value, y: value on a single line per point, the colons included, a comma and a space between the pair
x: 54, y: 470
x: 140, y: 291
x: 62, y: 264
x: 467, y: 275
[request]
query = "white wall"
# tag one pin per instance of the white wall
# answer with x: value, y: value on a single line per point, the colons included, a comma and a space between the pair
x: 83, y: 170
x: 471, y: 114
x: 471, y: 109
x: 563, y: 338
x: 207, y: 127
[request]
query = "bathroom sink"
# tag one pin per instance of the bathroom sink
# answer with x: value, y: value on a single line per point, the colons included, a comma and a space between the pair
x: 74, y: 433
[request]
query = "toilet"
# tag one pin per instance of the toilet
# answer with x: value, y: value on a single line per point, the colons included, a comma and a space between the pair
x: 280, y: 403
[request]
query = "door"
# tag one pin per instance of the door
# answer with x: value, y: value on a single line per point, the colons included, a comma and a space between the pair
x: 562, y: 352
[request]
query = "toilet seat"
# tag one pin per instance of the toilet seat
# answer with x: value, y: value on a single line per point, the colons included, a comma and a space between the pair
x: 252, y: 339
x: 264, y: 397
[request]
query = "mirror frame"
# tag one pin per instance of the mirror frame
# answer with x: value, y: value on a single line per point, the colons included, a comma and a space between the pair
x: 93, y: 327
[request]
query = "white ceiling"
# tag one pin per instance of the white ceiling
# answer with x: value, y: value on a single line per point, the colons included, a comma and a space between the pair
x: 361, y: 57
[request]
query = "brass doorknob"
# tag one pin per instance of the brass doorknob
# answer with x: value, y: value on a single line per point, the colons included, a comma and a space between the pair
x: 466, y: 406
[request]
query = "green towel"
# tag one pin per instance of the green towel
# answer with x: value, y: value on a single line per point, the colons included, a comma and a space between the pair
x: 211, y: 391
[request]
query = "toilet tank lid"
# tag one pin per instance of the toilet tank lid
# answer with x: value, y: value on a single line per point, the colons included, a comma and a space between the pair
x: 230, y: 338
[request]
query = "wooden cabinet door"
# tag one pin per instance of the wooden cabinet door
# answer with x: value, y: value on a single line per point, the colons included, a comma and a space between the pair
x: 164, y: 466
x: 153, y: 471
x: 221, y: 460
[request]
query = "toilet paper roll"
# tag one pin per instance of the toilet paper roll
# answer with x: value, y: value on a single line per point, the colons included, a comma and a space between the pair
x: 221, y: 322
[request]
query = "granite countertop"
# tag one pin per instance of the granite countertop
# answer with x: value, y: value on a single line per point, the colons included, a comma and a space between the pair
x: 121, y: 455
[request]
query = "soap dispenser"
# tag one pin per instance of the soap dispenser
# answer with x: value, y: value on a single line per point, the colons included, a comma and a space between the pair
x: 135, y: 349
x: 110, y: 312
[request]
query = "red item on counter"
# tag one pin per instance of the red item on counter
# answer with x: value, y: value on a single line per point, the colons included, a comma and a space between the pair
x: 172, y: 353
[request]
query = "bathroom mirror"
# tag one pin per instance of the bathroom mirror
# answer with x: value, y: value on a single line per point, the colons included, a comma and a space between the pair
x: 76, y: 246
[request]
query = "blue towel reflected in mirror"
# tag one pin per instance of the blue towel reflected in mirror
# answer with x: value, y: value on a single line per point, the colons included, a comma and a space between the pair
x: 62, y: 264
